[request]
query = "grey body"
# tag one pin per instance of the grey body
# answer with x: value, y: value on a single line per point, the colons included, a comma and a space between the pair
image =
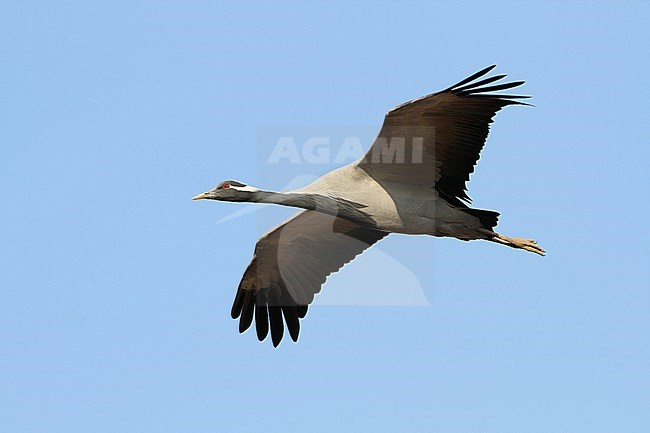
x: 395, y: 207
x: 349, y: 209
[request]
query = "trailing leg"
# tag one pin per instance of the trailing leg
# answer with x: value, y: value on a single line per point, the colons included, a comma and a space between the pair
x: 524, y: 244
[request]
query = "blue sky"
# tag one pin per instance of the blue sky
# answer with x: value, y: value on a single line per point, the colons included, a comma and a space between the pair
x: 116, y: 287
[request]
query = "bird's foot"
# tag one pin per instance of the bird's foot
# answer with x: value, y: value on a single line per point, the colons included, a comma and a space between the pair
x: 524, y: 244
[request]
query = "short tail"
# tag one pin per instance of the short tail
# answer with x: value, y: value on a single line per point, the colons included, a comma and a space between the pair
x: 489, y: 219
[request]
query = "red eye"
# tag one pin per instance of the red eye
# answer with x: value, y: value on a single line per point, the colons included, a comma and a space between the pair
x: 226, y: 185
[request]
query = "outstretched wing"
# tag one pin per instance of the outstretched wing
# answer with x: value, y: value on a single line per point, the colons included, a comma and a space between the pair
x: 290, y: 264
x: 436, y: 140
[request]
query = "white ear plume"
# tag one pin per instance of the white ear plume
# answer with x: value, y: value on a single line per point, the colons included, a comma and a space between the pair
x: 244, y: 188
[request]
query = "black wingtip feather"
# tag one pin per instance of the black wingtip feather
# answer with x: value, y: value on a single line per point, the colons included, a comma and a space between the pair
x: 261, y: 320
x: 275, y: 320
x: 506, y: 100
x: 247, y: 312
x: 291, y: 319
x: 481, y: 95
x: 470, y: 88
x: 237, y: 304
x: 471, y: 77
x: 479, y: 83
x: 491, y: 88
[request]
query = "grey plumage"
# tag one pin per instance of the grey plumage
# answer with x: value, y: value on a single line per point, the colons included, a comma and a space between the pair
x: 436, y: 139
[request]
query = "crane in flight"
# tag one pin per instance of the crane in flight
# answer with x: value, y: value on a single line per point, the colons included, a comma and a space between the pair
x: 412, y: 180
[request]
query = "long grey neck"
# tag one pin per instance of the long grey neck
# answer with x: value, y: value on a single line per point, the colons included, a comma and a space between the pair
x: 334, y: 206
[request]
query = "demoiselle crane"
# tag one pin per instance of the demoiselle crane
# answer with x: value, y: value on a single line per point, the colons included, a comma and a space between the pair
x: 412, y: 180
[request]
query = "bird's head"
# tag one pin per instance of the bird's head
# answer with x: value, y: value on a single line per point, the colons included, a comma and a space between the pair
x: 229, y: 190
